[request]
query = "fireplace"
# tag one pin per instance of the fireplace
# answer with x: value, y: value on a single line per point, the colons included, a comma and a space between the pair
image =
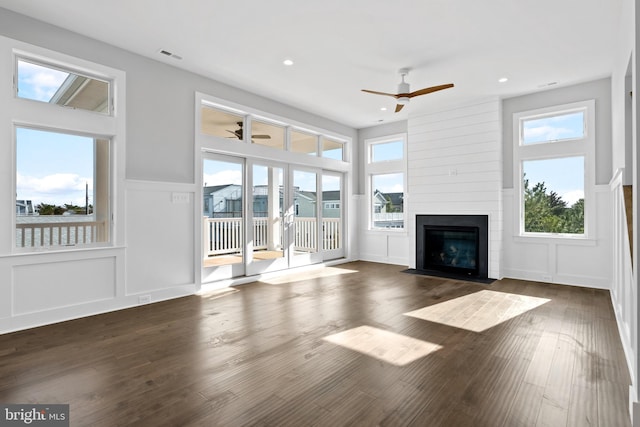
x: 453, y: 245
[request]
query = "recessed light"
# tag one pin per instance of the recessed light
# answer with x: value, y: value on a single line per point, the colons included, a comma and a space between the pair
x: 383, y: 108
x: 503, y: 80
x: 288, y: 62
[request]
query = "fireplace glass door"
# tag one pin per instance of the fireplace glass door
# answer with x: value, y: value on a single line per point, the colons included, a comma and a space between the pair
x: 451, y: 249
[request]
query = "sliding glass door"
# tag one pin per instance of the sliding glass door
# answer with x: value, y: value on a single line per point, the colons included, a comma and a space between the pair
x: 260, y: 216
x: 305, y: 230
x: 332, y: 214
x: 223, y: 217
x: 267, y: 247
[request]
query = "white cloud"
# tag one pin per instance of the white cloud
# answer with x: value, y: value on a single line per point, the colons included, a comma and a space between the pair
x: 572, y: 196
x: 222, y: 178
x: 547, y: 133
x: 42, y: 81
x: 57, y: 189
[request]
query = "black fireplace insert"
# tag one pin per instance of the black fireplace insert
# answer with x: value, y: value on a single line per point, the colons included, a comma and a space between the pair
x: 456, y: 245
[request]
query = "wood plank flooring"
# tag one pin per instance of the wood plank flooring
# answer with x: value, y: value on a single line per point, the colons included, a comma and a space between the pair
x: 513, y: 353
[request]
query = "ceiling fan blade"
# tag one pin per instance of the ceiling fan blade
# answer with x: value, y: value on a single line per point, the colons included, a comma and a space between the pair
x: 429, y: 90
x: 399, y: 107
x: 237, y: 134
x: 260, y: 136
x: 380, y: 93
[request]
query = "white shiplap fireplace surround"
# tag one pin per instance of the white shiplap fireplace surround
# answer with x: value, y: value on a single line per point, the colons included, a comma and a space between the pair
x: 455, y: 168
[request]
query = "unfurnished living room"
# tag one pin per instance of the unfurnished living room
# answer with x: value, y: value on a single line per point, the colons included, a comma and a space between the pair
x: 410, y: 213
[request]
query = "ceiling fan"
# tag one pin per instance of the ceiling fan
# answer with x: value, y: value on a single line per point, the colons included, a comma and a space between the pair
x: 404, y: 96
x: 239, y: 133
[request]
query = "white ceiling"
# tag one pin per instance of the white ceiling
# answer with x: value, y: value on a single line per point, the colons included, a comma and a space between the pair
x: 342, y: 46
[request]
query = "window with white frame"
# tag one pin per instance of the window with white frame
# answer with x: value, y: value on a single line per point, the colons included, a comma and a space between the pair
x: 554, y: 169
x: 385, y: 172
x: 64, y: 157
x: 235, y: 125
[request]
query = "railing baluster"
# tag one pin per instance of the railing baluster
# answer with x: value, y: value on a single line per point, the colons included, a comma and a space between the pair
x: 224, y: 235
x: 57, y: 234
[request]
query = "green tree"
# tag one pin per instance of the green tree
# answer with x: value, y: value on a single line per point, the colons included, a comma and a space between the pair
x: 546, y: 212
x: 47, y: 209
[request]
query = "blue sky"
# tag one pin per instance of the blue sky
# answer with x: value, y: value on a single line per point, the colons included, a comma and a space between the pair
x: 555, y: 128
x: 38, y: 82
x: 53, y: 167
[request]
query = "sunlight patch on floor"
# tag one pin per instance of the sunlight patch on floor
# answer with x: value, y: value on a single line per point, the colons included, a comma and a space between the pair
x: 478, y: 311
x: 218, y: 293
x: 314, y: 273
x: 387, y: 346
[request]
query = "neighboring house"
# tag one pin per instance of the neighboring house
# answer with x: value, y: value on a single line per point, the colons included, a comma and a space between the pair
x: 222, y: 201
x: 388, y: 210
x: 304, y: 203
x: 261, y: 198
x: 379, y: 202
x: 395, y: 202
x: 331, y: 204
x: 24, y: 207
x: 225, y: 201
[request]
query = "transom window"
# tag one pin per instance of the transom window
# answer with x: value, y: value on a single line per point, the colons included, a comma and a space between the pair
x: 67, y: 88
x: 553, y: 128
x: 235, y: 125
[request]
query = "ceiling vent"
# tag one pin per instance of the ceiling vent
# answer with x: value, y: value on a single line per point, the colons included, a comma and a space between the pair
x: 169, y: 54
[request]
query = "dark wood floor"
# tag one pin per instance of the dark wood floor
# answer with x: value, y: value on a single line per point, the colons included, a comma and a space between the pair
x: 256, y: 355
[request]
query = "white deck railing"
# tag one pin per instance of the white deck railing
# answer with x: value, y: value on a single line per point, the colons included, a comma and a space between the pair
x: 47, y: 234
x: 224, y: 235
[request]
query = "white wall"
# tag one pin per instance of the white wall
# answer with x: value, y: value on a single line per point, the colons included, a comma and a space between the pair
x: 455, y: 167
x: 156, y: 257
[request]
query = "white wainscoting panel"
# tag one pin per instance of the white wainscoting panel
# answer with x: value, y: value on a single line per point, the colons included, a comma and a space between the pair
x: 160, y: 236
x: 47, y: 286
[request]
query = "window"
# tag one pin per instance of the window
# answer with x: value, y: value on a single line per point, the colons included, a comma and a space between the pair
x: 386, y: 176
x: 267, y: 134
x: 221, y: 123
x: 65, y: 179
x: 332, y: 149
x: 66, y: 88
x: 552, y: 128
x: 554, y: 154
x: 386, y: 151
x: 229, y: 123
x: 305, y: 143
x: 64, y: 159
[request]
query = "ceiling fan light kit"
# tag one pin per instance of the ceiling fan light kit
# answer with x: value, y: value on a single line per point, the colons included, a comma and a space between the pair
x: 404, y: 94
